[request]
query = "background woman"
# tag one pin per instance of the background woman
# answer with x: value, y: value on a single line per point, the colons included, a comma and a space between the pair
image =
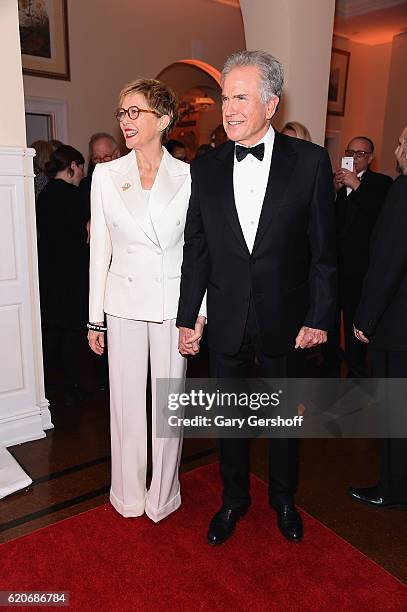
x: 138, y: 210
x: 43, y: 152
x: 296, y: 130
x: 63, y: 259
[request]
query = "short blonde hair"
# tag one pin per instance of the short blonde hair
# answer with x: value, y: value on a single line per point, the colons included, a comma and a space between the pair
x: 159, y: 97
x: 299, y: 129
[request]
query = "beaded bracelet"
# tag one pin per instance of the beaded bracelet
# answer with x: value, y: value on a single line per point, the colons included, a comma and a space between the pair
x: 98, y: 328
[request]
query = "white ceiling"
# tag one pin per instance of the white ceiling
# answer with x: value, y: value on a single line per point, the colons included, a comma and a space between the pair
x: 371, y: 22
x: 351, y: 8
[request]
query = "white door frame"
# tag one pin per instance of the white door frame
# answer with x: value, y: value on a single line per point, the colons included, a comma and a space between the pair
x: 57, y: 109
x: 333, y: 145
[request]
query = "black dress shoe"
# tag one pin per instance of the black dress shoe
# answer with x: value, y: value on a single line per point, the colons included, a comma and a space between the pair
x: 223, y: 524
x: 289, y: 522
x: 371, y: 496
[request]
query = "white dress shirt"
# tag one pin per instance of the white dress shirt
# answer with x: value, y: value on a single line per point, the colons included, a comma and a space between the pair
x: 250, y: 178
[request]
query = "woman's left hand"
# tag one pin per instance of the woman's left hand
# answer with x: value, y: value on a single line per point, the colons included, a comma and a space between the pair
x: 189, y: 339
x: 96, y: 341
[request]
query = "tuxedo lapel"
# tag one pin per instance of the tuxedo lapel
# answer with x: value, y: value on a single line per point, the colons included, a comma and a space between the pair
x: 283, y: 161
x: 227, y: 197
x: 127, y: 182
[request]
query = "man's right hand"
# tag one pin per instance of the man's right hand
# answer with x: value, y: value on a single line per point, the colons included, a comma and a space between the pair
x: 337, y: 183
x: 189, y: 339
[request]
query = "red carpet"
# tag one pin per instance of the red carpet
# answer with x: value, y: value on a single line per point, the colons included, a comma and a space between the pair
x: 111, y: 563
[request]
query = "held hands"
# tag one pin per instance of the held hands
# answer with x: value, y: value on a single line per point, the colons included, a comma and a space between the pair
x: 96, y: 341
x: 346, y: 178
x: 189, y: 339
x: 360, y: 335
x: 309, y: 337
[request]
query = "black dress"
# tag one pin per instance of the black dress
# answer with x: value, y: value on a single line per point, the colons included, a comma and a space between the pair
x: 63, y: 258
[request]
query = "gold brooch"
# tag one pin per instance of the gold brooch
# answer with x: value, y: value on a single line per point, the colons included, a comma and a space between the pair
x: 126, y: 186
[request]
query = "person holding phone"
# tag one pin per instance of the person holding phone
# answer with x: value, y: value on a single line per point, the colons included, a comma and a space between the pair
x: 360, y: 197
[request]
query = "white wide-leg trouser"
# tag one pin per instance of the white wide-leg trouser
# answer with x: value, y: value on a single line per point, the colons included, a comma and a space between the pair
x: 130, y: 343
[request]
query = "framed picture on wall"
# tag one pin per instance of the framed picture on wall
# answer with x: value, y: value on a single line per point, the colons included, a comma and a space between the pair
x: 338, y: 80
x: 44, y: 38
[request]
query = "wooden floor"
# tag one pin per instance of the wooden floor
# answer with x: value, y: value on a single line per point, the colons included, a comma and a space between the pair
x: 70, y: 469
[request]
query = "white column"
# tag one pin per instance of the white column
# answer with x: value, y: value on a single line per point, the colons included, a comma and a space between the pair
x: 395, y: 118
x: 24, y: 412
x: 299, y: 34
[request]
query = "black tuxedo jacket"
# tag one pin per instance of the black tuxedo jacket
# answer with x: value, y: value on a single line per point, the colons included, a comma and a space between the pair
x: 291, y: 272
x: 382, y: 312
x: 356, y: 216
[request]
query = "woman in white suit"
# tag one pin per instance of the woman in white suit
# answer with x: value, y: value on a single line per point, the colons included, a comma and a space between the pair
x: 139, y: 204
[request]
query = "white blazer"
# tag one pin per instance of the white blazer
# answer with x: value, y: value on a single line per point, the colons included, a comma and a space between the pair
x: 135, y: 248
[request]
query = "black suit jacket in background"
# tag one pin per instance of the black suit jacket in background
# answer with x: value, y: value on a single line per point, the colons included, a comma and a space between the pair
x: 84, y: 188
x: 63, y: 256
x: 291, y: 272
x: 382, y: 312
x: 356, y: 216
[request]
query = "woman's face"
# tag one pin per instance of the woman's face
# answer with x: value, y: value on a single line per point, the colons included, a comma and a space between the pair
x: 144, y: 130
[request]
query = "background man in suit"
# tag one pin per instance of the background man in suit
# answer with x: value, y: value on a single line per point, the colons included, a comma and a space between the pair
x: 360, y: 197
x: 260, y: 238
x: 102, y: 148
x: 381, y: 319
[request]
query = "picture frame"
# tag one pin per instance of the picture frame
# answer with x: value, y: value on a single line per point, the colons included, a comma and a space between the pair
x: 44, y: 38
x: 338, y: 81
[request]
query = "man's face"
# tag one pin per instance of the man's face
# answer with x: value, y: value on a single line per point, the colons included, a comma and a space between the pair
x: 103, y: 150
x: 245, y: 117
x: 401, y: 152
x: 361, y: 151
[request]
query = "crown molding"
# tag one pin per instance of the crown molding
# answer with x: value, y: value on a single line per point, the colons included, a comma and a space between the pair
x: 352, y: 8
x: 233, y: 3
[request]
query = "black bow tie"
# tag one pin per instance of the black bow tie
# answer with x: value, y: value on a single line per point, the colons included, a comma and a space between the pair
x: 257, y: 151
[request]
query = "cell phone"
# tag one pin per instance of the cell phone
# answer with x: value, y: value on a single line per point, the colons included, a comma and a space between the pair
x: 347, y: 163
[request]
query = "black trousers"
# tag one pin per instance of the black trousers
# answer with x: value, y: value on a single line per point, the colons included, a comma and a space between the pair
x: 393, y: 467
x: 234, y: 453
x: 355, y: 351
x: 66, y: 343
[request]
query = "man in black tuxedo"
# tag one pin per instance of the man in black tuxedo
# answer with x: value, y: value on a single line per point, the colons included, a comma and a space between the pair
x: 381, y: 321
x: 260, y: 239
x: 360, y: 197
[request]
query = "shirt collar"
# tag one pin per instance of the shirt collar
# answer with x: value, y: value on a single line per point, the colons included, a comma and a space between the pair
x: 268, y: 140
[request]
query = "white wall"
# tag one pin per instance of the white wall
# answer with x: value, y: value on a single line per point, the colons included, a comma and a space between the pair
x: 112, y: 43
x: 24, y: 410
x: 396, y: 103
x: 299, y: 34
x: 366, y: 96
x: 12, y: 126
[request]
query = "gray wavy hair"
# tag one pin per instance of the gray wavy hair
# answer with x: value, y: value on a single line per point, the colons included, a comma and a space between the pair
x: 271, y: 71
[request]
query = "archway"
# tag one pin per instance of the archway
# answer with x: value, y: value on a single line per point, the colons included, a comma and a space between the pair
x: 204, y: 66
x: 197, y: 84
